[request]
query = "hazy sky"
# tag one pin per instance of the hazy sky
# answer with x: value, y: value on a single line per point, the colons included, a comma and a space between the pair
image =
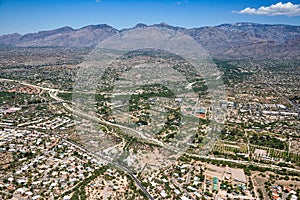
x: 25, y: 16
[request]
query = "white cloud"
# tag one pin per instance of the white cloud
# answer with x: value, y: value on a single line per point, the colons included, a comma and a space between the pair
x: 288, y: 9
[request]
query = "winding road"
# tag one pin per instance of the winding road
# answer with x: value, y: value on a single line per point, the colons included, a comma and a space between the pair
x: 53, y: 94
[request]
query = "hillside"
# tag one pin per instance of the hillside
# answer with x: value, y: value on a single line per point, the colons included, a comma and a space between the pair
x: 226, y: 41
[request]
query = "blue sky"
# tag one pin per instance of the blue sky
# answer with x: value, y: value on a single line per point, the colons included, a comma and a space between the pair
x: 24, y: 16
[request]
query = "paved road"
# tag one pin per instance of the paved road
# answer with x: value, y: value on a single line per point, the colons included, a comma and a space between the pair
x: 107, y: 161
x: 296, y: 108
x: 65, y: 91
x: 246, y: 162
x: 53, y: 94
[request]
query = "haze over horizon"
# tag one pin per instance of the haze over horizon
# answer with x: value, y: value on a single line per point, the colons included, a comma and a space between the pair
x: 149, y: 25
x: 24, y: 16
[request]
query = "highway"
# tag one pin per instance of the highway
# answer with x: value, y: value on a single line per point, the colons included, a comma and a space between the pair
x: 53, y: 94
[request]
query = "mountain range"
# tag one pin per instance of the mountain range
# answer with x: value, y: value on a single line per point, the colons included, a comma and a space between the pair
x: 226, y: 41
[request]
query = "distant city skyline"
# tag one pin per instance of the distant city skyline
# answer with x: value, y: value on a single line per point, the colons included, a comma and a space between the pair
x: 26, y: 16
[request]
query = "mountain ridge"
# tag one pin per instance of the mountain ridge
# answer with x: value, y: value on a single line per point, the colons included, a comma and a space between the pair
x: 232, y: 41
